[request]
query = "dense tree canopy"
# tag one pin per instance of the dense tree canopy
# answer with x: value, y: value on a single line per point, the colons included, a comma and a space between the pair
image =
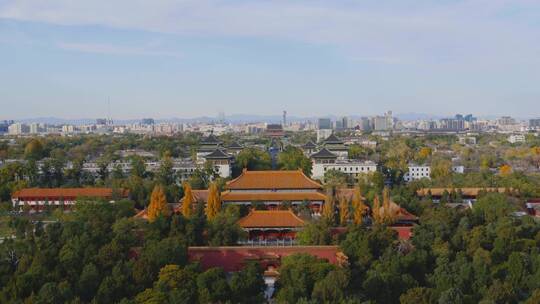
x: 293, y: 158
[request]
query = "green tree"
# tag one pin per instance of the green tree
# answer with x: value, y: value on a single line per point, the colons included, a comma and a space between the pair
x: 298, y: 275
x: 332, y: 288
x: 252, y: 159
x: 315, y: 233
x: 213, y: 286
x: 34, y: 150
x: 247, y: 285
x: 293, y: 158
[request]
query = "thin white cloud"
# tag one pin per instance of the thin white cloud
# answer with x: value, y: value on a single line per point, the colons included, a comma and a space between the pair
x: 110, y: 49
x: 467, y: 31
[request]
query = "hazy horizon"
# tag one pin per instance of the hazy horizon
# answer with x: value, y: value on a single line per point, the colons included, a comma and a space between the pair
x: 191, y: 58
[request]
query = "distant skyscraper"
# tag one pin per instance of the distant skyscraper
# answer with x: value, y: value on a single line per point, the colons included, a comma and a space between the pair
x: 470, y: 118
x: 17, y: 129
x: 221, y: 116
x: 365, y: 124
x: 34, y: 128
x: 506, y: 120
x: 4, y: 125
x: 324, y: 124
x: 452, y: 124
x: 284, y: 118
x: 534, y: 123
x: 147, y: 121
x: 345, y: 124
x: 383, y: 123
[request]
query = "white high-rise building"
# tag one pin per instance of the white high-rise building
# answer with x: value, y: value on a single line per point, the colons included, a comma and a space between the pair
x: 34, y: 128
x: 384, y: 123
x: 15, y: 129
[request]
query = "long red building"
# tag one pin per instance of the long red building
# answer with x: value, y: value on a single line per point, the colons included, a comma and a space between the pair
x: 37, y: 199
x: 269, y: 257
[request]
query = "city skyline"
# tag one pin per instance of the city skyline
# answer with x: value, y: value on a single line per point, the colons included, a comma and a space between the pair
x: 191, y: 58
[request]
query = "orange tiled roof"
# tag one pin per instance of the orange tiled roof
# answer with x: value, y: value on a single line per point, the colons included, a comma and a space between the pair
x: 405, y: 215
x: 198, y: 196
x: 67, y: 192
x: 143, y: 214
x: 271, y: 196
x: 270, y: 219
x: 347, y: 193
x: 399, y: 213
x: 465, y: 191
x: 273, y: 180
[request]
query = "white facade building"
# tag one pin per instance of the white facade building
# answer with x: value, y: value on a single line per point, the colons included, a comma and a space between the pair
x: 325, y: 160
x: 15, y: 129
x: 352, y: 168
x: 417, y: 172
x: 458, y: 169
x: 516, y: 138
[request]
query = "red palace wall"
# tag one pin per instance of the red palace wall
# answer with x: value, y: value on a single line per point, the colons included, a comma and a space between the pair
x: 234, y: 258
x: 258, y: 234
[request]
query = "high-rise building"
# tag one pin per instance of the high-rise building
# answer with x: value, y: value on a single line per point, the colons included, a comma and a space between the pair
x: 34, y: 128
x: 452, y: 124
x: 383, y: 123
x: 17, y: 129
x: 365, y: 124
x: 469, y: 118
x: 284, y: 118
x: 506, y: 120
x: 4, y: 125
x: 147, y: 121
x: 221, y: 116
x: 534, y: 123
x: 68, y: 129
x: 324, y: 123
x: 346, y: 122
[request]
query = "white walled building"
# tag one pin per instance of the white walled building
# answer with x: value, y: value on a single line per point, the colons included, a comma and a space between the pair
x: 221, y: 162
x: 516, y: 138
x: 458, y: 169
x: 325, y: 160
x: 417, y: 172
x: 16, y: 129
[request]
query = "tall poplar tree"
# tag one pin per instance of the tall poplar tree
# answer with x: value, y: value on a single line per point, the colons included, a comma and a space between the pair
x: 158, y: 204
x: 187, y: 204
x: 359, y: 208
x: 376, y: 210
x: 328, y: 208
x: 343, y: 211
x: 214, y: 202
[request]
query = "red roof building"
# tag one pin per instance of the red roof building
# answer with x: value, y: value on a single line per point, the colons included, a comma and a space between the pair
x: 38, y: 198
x: 533, y: 206
x: 264, y: 226
x: 468, y: 195
x: 272, y: 188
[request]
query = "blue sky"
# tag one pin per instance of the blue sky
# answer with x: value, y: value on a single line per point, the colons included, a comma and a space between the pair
x: 312, y: 58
